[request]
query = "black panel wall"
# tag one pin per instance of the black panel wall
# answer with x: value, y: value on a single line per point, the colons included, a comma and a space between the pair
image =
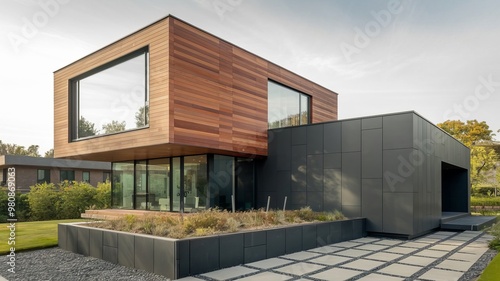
x: 386, y: 168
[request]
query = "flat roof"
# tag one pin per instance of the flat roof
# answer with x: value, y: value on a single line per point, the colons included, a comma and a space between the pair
x: 20, y: 160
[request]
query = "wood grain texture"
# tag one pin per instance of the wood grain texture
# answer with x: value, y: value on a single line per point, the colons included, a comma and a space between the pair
x: 206, y: 96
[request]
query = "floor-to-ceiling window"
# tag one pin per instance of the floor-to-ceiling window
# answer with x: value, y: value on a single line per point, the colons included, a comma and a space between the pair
x: 222, y: 181
x: 185, y: 183
x: 195, y: 182
x: 159, y: 184
x: 123, y: 185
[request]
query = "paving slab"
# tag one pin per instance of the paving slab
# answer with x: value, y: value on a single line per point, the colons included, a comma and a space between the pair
x: 453, y: 242
x: 347, y: 244
x: 266, y: 276
x: 383, y: 256
x: 229, y: 273
x: 190, y: 278
x: 363, y: 264
x: 473, y: 250
x: 465, y: 257
x: 400, y: 269
x: 445, y: 233
x: 415, y: 245
x: 427, y: 240
x: 299, y: 268
x: 300, y: 256
x: 330, y: 260
x: 352, y: 253
x: 270, y: 263
x: 401, y: 250
x: 416, y: 260
x: 431, y: 253
x: 326, y: 249
x: 442, y: 247
x: 455, y: 265
x: 435, y: 274
x: 476, y: 244
x: 371, y: 247
x: 388, y: 242
x: 336, y: 274
x: 380, y: 277
x: 366, y: 240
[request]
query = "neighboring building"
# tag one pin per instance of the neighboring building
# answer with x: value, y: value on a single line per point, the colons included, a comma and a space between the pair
x: 197, y: 122
x: 33, y: 170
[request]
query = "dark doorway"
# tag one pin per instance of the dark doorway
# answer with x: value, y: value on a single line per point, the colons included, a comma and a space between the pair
x: 455, y: 188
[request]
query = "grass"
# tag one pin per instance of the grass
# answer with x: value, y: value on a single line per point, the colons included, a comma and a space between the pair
x: 492, y: 271
x: 31, y: 235
x: 213, y: 221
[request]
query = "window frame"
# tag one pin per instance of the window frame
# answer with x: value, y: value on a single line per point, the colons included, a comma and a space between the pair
x: 83, y: 177
x: 300, y: 96
x: 44, y: 180
x: 74, y: 94
x: 66, y: 171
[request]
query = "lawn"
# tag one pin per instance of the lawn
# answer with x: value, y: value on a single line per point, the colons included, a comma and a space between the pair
x: 492, y: 271
x: 31, y: 235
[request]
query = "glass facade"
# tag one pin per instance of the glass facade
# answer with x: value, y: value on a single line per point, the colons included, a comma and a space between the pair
x: 113, y: 98
x: 186, y: 183
x: 287, y: 107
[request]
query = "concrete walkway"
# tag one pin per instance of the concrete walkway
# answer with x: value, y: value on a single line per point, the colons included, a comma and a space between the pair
x: 438, y: 256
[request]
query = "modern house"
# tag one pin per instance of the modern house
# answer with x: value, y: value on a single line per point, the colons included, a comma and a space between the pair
x: 190, y: 121
x: 33, y: 170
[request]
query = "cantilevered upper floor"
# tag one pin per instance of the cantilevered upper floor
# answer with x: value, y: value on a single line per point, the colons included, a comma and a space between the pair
x: 171, y: 89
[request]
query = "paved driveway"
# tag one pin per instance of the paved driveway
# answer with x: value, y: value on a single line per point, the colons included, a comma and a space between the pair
x: 438, y: 256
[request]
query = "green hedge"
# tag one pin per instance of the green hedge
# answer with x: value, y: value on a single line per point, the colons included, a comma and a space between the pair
x: 485, y: 201
x: 66, y: 200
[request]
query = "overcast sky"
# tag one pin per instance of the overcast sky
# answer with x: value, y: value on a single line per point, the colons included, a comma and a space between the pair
x: 439, y: 58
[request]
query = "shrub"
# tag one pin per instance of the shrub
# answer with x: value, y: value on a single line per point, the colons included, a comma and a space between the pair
x: 485, y: 201
x: 102, y: 197
x: 43, y: 201
x: 495, y: 242
x: 75, y: 198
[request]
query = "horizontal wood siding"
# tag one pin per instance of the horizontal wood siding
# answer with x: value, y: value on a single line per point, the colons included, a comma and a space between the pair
x: 206, y: 96
x: 108, y: 147
x: 218, y: 93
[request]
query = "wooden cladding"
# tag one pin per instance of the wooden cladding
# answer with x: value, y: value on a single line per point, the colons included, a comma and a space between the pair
x: 206, y: 96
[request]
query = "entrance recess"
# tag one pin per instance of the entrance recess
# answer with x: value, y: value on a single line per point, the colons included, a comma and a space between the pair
x: 454, y: 188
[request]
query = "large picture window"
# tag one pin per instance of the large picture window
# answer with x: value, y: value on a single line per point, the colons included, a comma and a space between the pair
x: 286, y: 107
x: 113, y: 98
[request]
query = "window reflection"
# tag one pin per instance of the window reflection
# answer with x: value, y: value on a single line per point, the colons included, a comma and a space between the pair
x: 286, y: 107
x: 114, y: 99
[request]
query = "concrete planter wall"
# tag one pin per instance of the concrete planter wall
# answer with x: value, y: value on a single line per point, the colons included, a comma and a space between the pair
x: 177, y: 258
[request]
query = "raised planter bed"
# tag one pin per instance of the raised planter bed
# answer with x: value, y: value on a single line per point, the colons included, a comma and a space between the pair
x: 177, y: 258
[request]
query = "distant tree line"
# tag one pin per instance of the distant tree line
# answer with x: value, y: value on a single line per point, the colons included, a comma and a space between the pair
x: 32, y: 150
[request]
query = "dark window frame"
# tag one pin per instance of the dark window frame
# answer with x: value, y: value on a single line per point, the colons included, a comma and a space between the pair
x: 300, y: 95
x: 64, y: 178
x: 83, y: 177
x: 46, y: 177
x: 74, y: 94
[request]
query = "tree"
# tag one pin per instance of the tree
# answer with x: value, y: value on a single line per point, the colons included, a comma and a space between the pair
x: 86, y: 128
x: 142, y: 116
x: 469, y: 132
x: 49, y: 153
x: 14, y: 149
x: 472, y: 133
x: 114, y: 127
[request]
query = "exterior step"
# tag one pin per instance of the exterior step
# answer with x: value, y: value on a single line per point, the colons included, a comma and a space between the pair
x: 469, y: 222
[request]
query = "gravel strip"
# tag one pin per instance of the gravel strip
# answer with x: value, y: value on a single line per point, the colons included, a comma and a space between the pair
x: 58, y: 264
